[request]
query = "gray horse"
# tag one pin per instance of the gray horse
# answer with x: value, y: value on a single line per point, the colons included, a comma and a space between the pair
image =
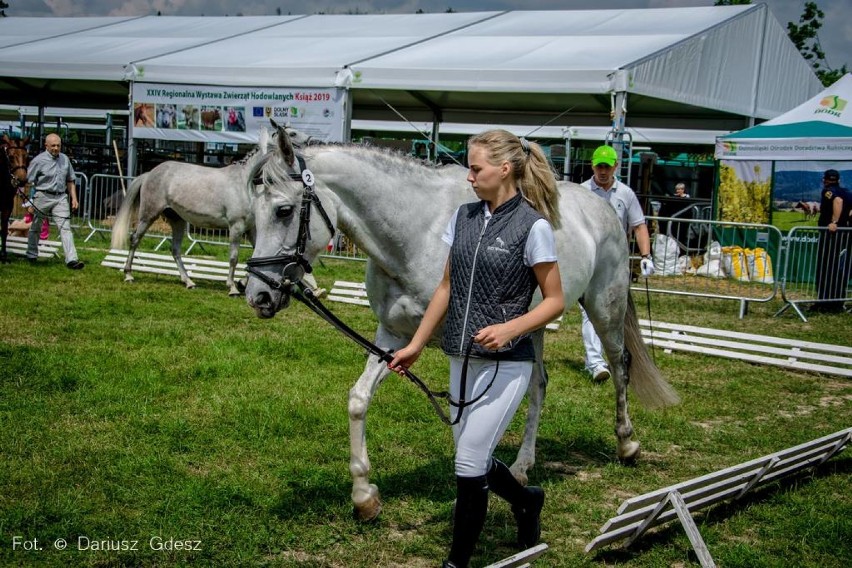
x: 213, y: 198
x: 395, y: 209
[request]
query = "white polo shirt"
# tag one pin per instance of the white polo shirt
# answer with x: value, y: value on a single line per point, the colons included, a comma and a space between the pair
x: 623, y: 200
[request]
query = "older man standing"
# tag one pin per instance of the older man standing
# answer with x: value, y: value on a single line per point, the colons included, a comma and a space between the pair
x: 51, y: 179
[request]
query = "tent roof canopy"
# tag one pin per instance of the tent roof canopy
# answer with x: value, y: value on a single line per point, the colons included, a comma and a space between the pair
x: 818, y: 129
x: 682, y: 67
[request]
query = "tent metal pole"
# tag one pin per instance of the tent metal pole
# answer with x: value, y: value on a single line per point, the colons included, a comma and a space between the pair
x: 130, y: 143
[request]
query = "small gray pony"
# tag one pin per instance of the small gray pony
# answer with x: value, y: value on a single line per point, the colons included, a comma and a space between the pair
x: 213, y: 198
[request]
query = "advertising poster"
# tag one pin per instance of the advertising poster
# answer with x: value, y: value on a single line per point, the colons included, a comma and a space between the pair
x: 203, y: 113
x: 744, y: 187
x: 797, y: 188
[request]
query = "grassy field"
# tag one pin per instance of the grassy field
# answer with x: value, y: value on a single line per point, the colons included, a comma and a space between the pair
x: 175, y: 422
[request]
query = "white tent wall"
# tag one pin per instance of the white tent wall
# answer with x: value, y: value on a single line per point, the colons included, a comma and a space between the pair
x: 682, y: 68
x: 788, y: 70
x: 697, y: 72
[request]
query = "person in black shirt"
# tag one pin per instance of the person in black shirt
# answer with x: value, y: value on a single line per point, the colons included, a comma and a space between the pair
x: 833, y: 251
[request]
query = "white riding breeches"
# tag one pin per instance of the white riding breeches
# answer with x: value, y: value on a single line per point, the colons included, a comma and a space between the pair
x: 592, y: 343
x: 484, y: 423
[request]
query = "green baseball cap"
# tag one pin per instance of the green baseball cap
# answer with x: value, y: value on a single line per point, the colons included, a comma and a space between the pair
x: 604, y: 155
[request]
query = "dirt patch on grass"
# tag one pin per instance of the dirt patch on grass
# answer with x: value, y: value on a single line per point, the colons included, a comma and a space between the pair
x: 824, y: 402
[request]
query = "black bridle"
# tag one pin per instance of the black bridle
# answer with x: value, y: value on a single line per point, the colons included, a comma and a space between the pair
x: 294, y: 267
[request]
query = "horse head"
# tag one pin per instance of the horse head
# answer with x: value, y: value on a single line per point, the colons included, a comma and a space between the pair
x: 292, y: 226
x: 16, y: 151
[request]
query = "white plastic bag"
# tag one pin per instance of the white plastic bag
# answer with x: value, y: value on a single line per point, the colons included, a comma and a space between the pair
x: 665, y: 254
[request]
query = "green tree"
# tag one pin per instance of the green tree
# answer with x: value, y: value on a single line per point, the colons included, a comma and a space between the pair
x: 805, y: 37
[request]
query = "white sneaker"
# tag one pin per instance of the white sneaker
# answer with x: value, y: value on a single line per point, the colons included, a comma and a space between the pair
x: 600, y: 373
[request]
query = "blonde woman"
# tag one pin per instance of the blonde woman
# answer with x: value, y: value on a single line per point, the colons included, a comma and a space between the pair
x: 501, y: 249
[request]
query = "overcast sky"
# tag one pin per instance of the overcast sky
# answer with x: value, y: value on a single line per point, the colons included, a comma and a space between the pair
x: 835, y: 35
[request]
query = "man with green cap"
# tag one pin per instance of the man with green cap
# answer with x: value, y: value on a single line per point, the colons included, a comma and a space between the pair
x: 604, y: 184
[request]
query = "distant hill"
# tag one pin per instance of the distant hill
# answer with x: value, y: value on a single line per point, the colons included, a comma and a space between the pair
x: 805, y: 186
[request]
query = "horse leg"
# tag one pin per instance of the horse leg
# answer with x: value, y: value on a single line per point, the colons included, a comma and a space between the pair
x: 4, y: 234
x: 236, y: 234
x: 178, y: 231
x: 611, y: 323
x: 365, y: 495
x: 536, y: 390
x: 135, y: 239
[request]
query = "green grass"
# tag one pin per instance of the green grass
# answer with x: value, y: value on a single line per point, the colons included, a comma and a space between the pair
x: 786, y: 220
x: 132, y: 411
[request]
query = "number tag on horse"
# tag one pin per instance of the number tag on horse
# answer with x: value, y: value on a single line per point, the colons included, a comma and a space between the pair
x: 308, y: 177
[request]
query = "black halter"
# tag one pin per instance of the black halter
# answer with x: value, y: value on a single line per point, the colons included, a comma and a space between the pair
x: 294, y: 265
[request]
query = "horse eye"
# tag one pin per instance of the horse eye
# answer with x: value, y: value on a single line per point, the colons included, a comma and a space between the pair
x: 284, y: 211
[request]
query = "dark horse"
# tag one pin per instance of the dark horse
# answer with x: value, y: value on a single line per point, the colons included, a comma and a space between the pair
x: 13, y: 174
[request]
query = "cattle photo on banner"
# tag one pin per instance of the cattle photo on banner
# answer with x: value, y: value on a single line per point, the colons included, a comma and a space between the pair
x: 201, y: 113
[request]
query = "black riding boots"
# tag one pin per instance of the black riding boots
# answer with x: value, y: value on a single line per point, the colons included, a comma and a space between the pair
x: 526, y: 502
x: 471, y: 506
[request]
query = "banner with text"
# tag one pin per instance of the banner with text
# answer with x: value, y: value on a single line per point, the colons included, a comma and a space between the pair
x: 204, y: 113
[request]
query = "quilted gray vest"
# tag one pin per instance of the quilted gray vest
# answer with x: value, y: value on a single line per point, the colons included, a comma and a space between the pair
x: 489, y: 282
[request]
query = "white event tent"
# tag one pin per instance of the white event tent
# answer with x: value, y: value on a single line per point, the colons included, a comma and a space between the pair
x: 714, y: 68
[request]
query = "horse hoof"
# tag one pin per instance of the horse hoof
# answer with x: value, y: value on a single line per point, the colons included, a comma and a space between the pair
x: 128, y: 278
x: 520, y: 475
x: 629, y: 453
x: 368, y: 510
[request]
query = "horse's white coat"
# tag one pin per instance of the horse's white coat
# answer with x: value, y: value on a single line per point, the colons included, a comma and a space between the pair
x: 395, y: 209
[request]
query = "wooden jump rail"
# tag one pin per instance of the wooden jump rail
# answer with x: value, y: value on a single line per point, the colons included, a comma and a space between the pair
x: 781, y: 352
x: 197, y: 268
x: 638, y: 514
x: 46, y: 248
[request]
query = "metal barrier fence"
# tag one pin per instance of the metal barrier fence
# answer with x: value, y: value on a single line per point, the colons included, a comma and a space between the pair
x: 104, y: 194
x: 817, y: 268
x: 103, y: 198
x: 78, y: 217
x: 713, y: 259
x: 693, y: 256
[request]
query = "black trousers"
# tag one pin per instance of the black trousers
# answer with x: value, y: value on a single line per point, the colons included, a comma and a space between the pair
x: 833, y: 266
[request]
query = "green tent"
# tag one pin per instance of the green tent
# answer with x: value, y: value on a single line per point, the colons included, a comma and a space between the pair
x: 819, y: 129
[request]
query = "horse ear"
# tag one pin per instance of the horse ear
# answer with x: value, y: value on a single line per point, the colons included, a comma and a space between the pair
x: 285, y: 146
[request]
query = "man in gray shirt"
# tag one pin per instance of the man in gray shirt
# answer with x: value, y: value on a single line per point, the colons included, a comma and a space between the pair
x: 51, y: 179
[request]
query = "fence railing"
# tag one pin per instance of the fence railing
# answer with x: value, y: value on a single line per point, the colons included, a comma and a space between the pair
x: 693, y: 256
x: 714, y: 259
x: 817, y: 268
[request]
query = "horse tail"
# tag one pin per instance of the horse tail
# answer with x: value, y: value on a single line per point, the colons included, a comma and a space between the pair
x: 129, y: 210
x: 648, y: 383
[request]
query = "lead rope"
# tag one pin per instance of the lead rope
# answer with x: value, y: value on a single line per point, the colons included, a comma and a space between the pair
x: 650, y: 323
x: 307, y: 297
